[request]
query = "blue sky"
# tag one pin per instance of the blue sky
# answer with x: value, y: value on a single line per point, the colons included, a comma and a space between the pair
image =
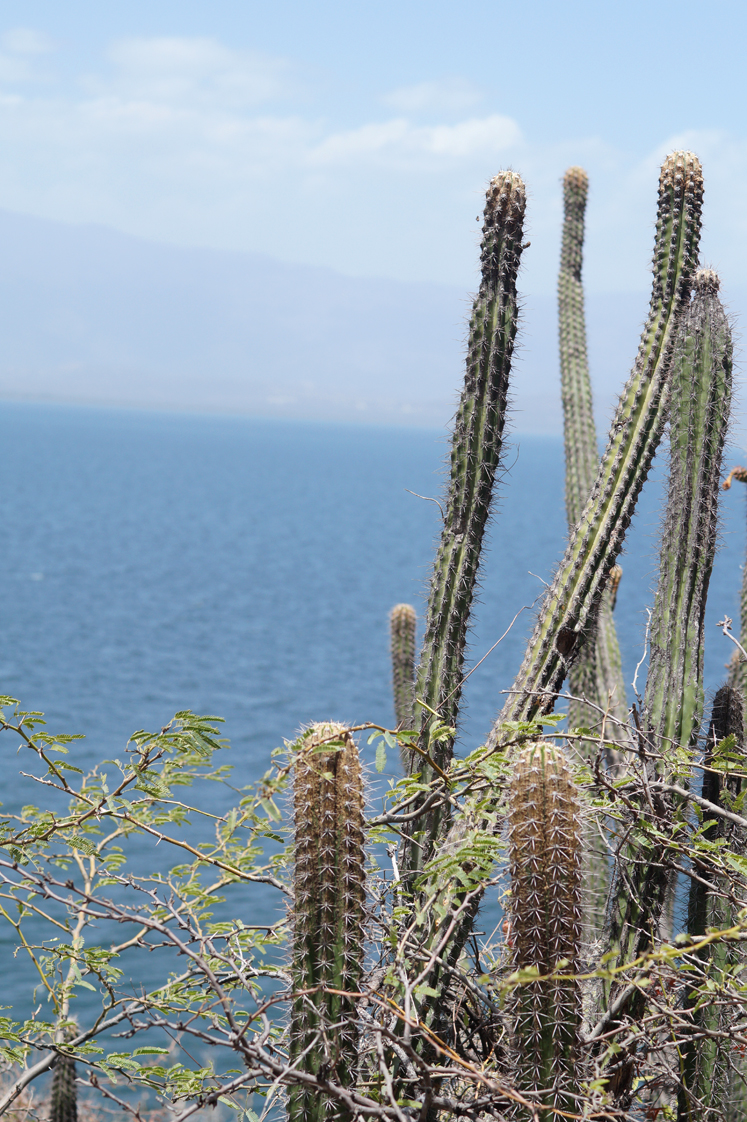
x: 361, y: 135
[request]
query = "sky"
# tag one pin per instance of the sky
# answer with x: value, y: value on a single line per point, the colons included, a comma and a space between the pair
x: 361, y: 135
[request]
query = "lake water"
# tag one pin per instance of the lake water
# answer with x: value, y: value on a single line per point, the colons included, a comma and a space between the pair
x: 156, y: 562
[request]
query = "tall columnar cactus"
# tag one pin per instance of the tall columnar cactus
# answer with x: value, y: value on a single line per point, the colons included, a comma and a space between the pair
x: 596, y: 675
x: 673, y: 699
x: 701, y: 396
x: 545, y: 916
x: 707, y: 1056
x: 475, y: 456
x: 328, y: 936
x: 571, y: 604
x: 402, y: 621
x: 63, y: 1105
x: 597, y: 672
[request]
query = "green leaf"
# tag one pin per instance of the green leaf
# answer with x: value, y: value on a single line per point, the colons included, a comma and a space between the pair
x: 381, y: 756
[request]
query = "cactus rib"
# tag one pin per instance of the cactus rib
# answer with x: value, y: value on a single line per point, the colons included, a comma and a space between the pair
x: 572, y: 601
x: 329, y: 894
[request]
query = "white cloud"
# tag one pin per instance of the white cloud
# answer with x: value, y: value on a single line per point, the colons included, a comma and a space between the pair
x: 189, y: 141
x: 450, y: 95
x: 189, y: 70
x: 26, y: 41
x: 399, y: 140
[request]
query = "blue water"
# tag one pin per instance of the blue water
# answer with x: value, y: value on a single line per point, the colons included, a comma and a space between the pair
x: 154, y: 562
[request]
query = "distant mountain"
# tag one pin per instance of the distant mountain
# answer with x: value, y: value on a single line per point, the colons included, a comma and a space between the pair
x: 91, y: 315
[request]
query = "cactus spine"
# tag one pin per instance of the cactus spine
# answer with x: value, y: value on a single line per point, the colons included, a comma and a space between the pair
x: 673, y: 699
x: 475, y: 455
x: 329, y: 894
x: 402, y: 621
x: 707, y: 1058
x: 545, y: 861
x: 572, y: 601
x: 63, y: 1105
x: 597, y: 673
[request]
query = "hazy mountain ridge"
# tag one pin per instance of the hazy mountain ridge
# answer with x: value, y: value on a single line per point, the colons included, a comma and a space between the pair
x: 91, y: 315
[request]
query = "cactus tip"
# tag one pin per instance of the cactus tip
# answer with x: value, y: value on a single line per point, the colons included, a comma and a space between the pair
x: 706, y: 280
x: 506, y: 191
x: 681, y: 168
x: 576, y: 180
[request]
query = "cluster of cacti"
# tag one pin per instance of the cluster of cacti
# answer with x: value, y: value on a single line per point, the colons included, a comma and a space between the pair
x: 327, y: 915
x: 560, y: 855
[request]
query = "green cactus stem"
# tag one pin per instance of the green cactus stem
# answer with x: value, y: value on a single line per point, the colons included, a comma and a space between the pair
x: 545, y: 916
x: 63, y: 1105
x: 673, y: 701
x: 569, y: 611
x: 581, y: 453
x: 597, y: 672
x: 402, y: 622
x: 673, y: 698
x: 596, y: 675
x: 707, y: 1057
x: 476, y: 449
x: 327, y: 915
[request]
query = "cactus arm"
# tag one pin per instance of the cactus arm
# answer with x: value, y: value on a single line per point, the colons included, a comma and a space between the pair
x: 328, y: 935
x: 573, y: 598
x: 708, y: 1060
x: 475, y: 455
x: 672, y: 704
x: 545, y: 838
x: 402, y: 623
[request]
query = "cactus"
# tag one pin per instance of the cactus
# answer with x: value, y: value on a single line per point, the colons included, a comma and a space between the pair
x: 63, y: 1105
x: 475, y: 456
x: 597, y: 673
x: 545, y: 861
x: 570, y: 606
x: 402, y: 621
x: 673, y: 698
x: 328, y: 937
x: 706, y: 1057
x: 673, y: 702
